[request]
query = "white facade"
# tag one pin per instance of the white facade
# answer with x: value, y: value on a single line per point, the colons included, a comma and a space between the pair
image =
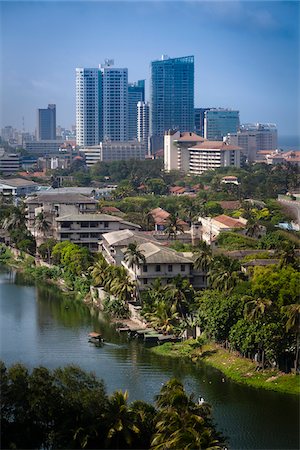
x: 209, y: 156
x: 92, y: 154
x: 115, y: 103
x: 143, y: 114
x: 88, y: 106
x: 114, y: 151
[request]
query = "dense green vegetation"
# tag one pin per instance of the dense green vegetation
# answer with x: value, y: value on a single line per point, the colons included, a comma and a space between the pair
x: 69, y: 408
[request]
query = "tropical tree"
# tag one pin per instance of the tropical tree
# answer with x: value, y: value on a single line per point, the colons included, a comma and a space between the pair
x: 173, y: 226
x: 225, y: 273
x: 134, y: 258
x: 121, y: 430
x: 256, y: 307
x: 16, y: 219
x: 42, y: 224
x: 292, y: 313
x: 204, y: 257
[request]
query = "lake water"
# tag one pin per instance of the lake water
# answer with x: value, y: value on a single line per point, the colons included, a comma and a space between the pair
x: 42, y: 326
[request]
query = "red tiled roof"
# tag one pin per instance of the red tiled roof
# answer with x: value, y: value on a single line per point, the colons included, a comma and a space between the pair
x: 215, y: 145
x: 109, y: 209
x: 230, y: 204
x: 190, y: 137
x: 229, y: 221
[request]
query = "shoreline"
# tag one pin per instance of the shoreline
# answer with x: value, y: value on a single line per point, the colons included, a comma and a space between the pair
x: 236, y: 368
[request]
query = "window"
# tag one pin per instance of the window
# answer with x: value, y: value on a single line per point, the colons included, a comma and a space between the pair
x: 170, y: 268
x: 145, y: 268
x: 157, y: 268
x: 145, y: 280
x: 106, y: 224
x: 182, y: 268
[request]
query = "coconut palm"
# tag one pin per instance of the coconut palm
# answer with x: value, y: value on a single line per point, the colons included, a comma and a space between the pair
x: 204, y: 257
x: 256, y: 307
x: 292, y: 313
x: 16, y: 219
x: 173, y: 226
x: 122, y: 429
x: 225, y: 273
x: 134, y: 258
x: 99, y: 272
x: 162, y: 317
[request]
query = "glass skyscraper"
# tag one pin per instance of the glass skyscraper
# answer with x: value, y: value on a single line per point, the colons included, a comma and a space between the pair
x: 46, y: 123
x: 171, y: 96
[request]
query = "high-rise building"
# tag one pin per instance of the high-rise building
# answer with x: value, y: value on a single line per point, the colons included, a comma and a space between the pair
x: 88, y: 106
x: 171, y: 97
x: 115, y: 102
x: 254, y: 137
x: 46, y: 123
x: 101, y: 104
x: 218, y: 122
x: 143, y: 121
x: 199, y: 120
x: 136, y: 93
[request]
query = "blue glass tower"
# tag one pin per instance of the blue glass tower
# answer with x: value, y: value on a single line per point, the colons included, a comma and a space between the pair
x: 171, y: 95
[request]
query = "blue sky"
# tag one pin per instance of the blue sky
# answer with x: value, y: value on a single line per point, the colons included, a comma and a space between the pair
x: 246, y: 53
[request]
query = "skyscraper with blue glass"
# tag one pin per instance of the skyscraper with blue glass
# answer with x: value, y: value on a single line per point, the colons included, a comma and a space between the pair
x: 171, y: 96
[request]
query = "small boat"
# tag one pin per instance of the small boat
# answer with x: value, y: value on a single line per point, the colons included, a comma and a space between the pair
x: 96, y: 338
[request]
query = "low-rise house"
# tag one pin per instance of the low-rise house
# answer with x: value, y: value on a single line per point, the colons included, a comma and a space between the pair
x: 248, y: 266
x: 17, y: 187
x: 53, y: 205
x: 230, y: 179
x: 160, y: 218
x: 212, y: 227
x: 160, y: 261
x: 88, y: 229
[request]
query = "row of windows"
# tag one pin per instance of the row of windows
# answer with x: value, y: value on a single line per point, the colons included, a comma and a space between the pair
x: 158, y: 268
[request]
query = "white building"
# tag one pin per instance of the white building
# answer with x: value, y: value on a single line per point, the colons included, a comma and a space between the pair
x: 210, y: 228
x: 143, y: 114
x: 101, y: 104
x: 191, y: 153
x: 114, y: 151
x: 115, y: 102
x: 17, y: 187
x: 176, y: 154
x: 9, y: 162
x: 254, y: 138
x: 88, y: 100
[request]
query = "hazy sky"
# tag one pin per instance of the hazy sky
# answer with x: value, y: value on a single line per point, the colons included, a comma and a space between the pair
x: 246, y: 53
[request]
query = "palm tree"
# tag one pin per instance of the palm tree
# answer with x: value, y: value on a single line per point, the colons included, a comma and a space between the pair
x: 162, y: 317
x: 121, y: 427
x: 43, y: 225
x: 293, y: 323
x: 204, y: 257
x: 16, y: 219
x: 173, y: 226
x: 256, y: 307
x: 225, y: 273
x: 134, y: 258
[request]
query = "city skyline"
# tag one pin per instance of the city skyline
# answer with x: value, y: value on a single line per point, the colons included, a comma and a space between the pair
x: 246, y: 53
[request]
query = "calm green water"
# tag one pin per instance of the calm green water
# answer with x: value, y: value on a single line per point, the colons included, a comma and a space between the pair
x: 41, y: 326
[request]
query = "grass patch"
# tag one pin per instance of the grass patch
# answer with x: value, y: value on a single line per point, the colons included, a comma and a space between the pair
x: 238, y: 369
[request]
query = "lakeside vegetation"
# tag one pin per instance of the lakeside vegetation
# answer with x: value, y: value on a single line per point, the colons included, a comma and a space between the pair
x: 235, y: 368
x: 69, y: 408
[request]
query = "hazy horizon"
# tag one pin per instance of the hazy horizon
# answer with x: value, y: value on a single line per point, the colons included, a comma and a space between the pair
x: 246, y: 53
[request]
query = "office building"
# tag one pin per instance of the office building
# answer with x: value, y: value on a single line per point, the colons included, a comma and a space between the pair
x: 114, y: 151
x: 218, y: 122
x: 46, y: 123
x: 43, y: 148
x: 9, y: 162
x: 143, y: 112
x: 136, y: 93
x: 199, y: 120
x: 115, y: 102
x: 88, y: 106
x: 171, y: 97
x: 193, y: 154
x: 101, y: 104
x: 254, y: 138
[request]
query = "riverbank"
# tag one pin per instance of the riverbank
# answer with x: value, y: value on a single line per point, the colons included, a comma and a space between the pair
x: 234, y: 367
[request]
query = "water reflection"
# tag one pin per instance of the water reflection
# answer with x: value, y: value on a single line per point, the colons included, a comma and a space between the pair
x: 42, y: 326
